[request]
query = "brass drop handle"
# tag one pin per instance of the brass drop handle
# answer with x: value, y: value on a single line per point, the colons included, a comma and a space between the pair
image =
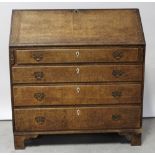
x: 116, y: 117
x: 116, y: 94
x: 39, y: 96
x: 78, y: 90
x: 40, y: 120
x: 78, y: 112
x: 37, y: 56
x: 117, y: 73
x: 38, y: 75
x: 77, y: 70
x: 77, y: 54
x: 117, y: 55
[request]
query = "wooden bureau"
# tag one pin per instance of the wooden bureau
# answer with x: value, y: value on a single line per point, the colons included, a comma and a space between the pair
x: 76, y: 71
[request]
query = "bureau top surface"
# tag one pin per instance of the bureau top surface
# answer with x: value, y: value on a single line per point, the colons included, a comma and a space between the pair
x: 76, y: 27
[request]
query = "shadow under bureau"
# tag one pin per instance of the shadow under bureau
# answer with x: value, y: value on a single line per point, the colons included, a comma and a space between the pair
x: 76, y: 71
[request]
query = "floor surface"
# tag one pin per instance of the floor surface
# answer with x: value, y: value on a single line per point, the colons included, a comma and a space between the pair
x: 80, y: 143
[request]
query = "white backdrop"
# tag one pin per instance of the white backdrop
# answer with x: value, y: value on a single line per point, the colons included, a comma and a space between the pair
x: 147, y: 11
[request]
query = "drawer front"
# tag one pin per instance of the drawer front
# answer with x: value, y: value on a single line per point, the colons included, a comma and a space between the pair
x: 77, y: 94
x: 78, y: 55
x: 80, y: 73
x: 55, y: 119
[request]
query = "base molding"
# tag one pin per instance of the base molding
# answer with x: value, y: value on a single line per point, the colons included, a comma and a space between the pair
x: 132, y: 135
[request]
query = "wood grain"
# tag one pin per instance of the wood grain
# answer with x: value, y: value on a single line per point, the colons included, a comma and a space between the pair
x: 71, y: 27
x: 74, y: 118
x: 45, y: 56
x: 76, y: 73
x: 77, y: 94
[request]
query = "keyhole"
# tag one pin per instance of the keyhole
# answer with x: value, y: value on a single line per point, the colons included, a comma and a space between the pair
x: 78, y: 112
x: 77, y: 54
x: 77, y: 70
x: 78, y: 89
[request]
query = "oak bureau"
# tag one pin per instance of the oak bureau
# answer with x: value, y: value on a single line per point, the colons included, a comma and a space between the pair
x: 76, y: 71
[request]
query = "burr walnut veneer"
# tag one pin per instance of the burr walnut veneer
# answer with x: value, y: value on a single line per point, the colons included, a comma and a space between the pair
x: 76, y: 71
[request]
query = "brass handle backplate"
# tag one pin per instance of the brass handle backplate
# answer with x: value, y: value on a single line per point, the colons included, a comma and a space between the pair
x: 40, y: 120
x: 39, y: 96
x: 117, y: 55
x: 37, y: 56
x: 116, y: 117
x: 117, y: 73
x: 116, y: 93
x: 38, y: 75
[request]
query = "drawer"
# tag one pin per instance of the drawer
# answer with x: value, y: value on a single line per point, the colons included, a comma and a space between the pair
x: 80, y: 73
x: 77, y: 118
x: 78, y: 55
x: 77, y: 94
